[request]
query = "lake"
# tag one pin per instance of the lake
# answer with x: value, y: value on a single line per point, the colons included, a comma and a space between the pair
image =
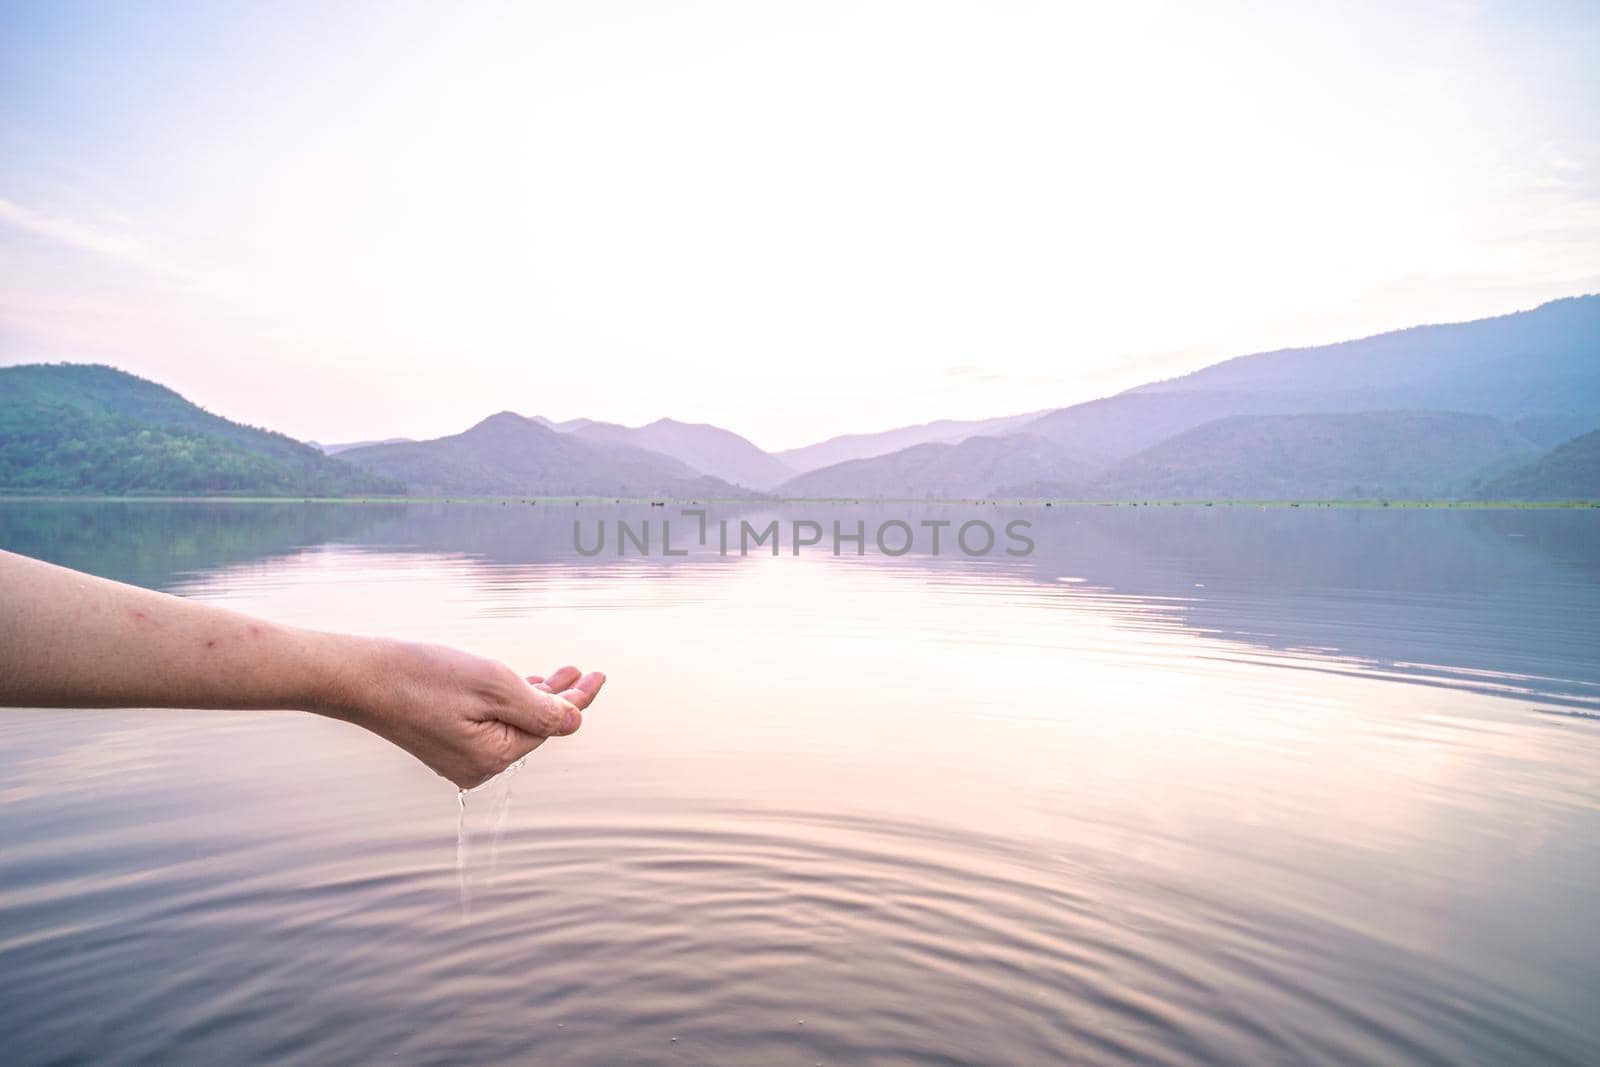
x: 1180, y: 785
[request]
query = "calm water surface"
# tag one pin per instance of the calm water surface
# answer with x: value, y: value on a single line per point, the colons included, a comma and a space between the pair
x: 1184, y: 786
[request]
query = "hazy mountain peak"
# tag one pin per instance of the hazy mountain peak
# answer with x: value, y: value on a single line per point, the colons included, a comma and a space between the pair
x: 881, y: 443
x: 566, y: 426
x: 507, y: 454
x: 508, y: 418
x: 973, y: 467
x: 708, y: 449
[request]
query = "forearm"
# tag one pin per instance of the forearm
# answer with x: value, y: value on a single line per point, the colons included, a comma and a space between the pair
x: 72, y: 640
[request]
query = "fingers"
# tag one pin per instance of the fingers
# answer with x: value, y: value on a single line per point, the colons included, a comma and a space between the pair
x: 541, y: 714
x: 556, y: 682
x: 587, y: 687
x: 549, y: 712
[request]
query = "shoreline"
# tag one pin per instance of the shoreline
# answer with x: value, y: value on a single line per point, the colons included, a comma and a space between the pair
x: 7, y: 497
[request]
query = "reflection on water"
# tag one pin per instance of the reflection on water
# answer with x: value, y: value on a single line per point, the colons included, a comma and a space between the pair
x: 1185, y: 785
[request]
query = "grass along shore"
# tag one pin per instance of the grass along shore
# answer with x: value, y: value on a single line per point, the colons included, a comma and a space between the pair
x: 14, y: 496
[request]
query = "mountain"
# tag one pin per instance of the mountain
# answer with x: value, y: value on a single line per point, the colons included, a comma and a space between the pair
x: 338, y: 447
x: 1539, y: 368
x: 565, y: 427
x: 972, y: 468
x: 509, y: 455
x: 1412, y: 454
x: 865, y: 445
x: 1571, y: 471
x: 1491, y: 390
x: 1502, y: 364
x: 708, y: 449
x: 85, y: 428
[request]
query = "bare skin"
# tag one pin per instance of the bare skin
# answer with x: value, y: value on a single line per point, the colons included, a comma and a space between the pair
x: 68, y: 639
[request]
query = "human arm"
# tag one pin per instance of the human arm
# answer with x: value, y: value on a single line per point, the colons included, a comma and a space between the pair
x: 69, y: 639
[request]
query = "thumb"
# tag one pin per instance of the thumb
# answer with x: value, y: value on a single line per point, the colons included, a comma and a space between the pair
x: 542, y: 714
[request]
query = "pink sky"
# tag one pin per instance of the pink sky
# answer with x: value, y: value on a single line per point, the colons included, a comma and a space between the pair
x: 791, y: 220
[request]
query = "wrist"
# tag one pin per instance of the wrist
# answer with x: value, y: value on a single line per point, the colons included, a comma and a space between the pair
x: 345, y: 673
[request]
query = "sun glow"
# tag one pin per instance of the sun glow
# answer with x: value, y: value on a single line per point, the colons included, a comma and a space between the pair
x: 793, y: 221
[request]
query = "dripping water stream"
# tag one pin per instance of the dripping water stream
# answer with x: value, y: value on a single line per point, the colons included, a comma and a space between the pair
x: 478, y: 846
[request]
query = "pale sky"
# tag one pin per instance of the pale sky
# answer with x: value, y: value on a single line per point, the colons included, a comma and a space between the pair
x: 794, y: 220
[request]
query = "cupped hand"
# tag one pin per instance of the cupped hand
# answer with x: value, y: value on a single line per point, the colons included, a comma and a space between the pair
x: 466, y: 717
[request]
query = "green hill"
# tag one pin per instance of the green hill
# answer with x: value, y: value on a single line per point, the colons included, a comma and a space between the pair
x: 1570, y: 471
x: 81, y: 428
x: 1409, y: 454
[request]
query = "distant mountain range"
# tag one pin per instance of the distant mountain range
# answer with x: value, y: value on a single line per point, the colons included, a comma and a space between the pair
x: 866, y: 445
x: 1500, y: 408
x: 973, y: 468
x: 1540, y: 368
x: 707, y: 449
x: 335, y: 449
x: 509, y: 455
x: 1534, y: 374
